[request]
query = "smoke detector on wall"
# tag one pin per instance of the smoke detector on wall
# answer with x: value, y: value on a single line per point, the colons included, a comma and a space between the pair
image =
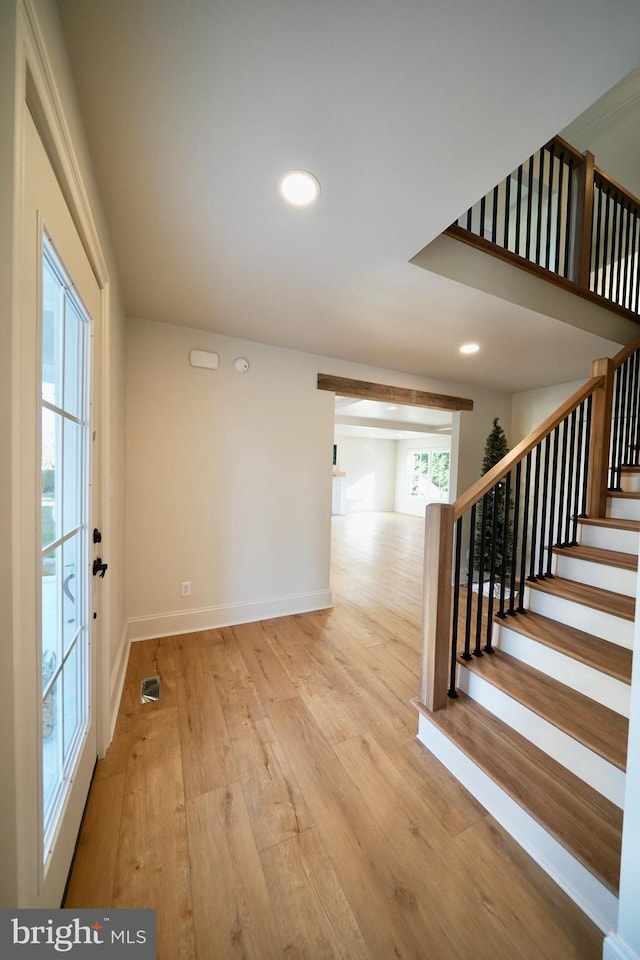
x: 241, y: 365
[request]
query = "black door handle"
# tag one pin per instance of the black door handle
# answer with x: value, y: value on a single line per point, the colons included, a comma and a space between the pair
x: 99, y: 567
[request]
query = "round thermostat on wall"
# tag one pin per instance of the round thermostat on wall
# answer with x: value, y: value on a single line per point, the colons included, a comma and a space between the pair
x: 241, y: 365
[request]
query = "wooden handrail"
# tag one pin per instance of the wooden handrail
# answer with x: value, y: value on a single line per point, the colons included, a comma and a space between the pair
x: 561, y: 146
x: 520, y: 451
x: 604, y: 178
x: 626, y: 352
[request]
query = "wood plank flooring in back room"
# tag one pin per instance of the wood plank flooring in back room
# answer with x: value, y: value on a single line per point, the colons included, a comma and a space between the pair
x: 275, y: 802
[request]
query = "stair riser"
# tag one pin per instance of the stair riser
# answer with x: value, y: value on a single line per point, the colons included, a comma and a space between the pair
x: 620, y: 508
x: 596, y: 574
x: 600, y: 687
x: 603, y: 625
x: 630, y: 482
x: 626, y: 541
x: 584, y: 763
x: 578, y: 883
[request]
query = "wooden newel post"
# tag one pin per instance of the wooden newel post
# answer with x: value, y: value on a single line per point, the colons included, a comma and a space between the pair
x: 600, y: 438
x: 583, y: 221
x: 436, y: 628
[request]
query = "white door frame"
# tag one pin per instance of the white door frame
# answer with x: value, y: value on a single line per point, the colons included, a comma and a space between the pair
x: 36, y: 93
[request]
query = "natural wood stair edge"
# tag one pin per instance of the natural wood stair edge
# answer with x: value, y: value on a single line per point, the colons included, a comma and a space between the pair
x: 602, y: 655
x: 615, y: 523
x: 610, y: 558
x: 616, y: 604
x: 581, y: 819
x: 598, y: 728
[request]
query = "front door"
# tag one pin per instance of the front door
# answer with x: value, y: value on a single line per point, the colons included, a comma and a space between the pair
x: 62, y: 303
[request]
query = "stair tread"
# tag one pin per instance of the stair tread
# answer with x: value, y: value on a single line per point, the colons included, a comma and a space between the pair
x: 611, y: 558
x: 624, y: 494
x: 609, y: 658
x: 616, y: 604
x: 630, y: 468
x: 602, y: 730
x: 581, y: 819
x: 612, y: 522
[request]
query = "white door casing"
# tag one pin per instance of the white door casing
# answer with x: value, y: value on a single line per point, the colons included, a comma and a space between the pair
x: 44, y: 213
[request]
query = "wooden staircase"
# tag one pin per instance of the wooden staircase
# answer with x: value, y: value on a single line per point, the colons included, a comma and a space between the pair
x: 539, y: 730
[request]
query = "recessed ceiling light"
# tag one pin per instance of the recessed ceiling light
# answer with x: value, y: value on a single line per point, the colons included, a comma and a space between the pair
x: 299, y: 188
x: 469, y: 348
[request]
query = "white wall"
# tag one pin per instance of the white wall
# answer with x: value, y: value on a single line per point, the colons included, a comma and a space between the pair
x: 531, y: 407
x: 370, y: 468
x: 403, y: 502
x: 229, y: 476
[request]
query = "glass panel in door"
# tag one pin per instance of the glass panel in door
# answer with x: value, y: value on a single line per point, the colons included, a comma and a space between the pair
x: 64, y: 615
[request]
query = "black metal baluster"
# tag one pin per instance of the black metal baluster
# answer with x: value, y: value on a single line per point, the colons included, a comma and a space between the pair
x: 633, y: 298
x: 529, y: 209
x: 525, y: 534
x: 534, y: 519
x: 466, y: 655
x: 540, y: 189
x: 562, y: 485
x: 488, y: 648
x: 477, y: 650
x: 483, y: 204
x: 597, y: 275
x: 578, y: 474
x: 549, y: 207
x: 622, y: 432
x: 569, y: 500
x: 567, y: 227
x: 543, y: 515
x: 469, y: 224
x: 494, y: 216
x: 587, y: 447
x: 615, y: 447
x: 612, y: 256
x: 605, y: 242
x: 514, y: 544
x: 507, y: 203
x: 636, y: 268
x: 620, y: 208
x: 625, y: 302
x: 506, y: 545
x: 552, y: 505
x: 560, y: 210
x: 451, y: 692
x: 518, y: 210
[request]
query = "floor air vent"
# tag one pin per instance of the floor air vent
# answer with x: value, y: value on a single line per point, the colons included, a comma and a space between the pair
x: 150, y: 690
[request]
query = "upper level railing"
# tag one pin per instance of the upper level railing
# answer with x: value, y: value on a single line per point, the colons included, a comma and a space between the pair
x: 481, y: 551
x: 559, y: 213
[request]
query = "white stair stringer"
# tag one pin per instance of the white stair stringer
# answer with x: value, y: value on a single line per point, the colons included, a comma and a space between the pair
x: 604, y: 625
x: 598, y: 902
x: 593, y: 769
x: 604, y: 689
x: 616, y: 579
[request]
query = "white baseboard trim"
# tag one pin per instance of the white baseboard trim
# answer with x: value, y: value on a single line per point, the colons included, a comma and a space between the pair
x: 616, y: 949
x: 225, y: 615
x: 578, y: 883
x: 117, y: 678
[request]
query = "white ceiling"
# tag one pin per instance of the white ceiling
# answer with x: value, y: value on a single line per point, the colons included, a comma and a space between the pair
x: 406, y: 111
x: 388, y: 421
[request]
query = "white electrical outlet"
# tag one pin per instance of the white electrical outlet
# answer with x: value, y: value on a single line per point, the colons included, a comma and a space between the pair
x: 185, y: 588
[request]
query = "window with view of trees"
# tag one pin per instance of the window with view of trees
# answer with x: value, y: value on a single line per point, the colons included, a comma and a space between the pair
x: 428, y: 474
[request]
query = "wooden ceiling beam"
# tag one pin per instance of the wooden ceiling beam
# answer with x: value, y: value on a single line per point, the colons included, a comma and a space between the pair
x: 388, y: 394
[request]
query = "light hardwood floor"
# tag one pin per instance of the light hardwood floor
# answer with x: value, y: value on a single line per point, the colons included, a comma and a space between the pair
x: 275, y: 802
